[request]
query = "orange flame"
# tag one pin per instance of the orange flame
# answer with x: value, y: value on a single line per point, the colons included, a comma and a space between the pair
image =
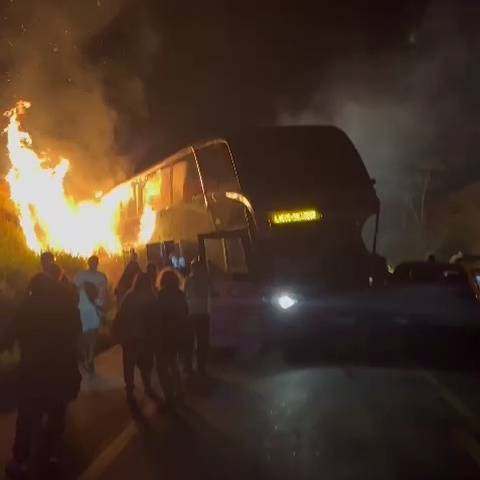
x: 147, y: 224
x: 49, y: 218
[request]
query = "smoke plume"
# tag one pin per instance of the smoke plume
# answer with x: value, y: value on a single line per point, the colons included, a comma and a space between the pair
x: 412, y: 116
x: 52, y: 55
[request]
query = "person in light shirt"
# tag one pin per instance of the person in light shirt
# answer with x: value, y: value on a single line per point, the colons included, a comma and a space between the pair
x: 198, y: 292
x: 92, y: 291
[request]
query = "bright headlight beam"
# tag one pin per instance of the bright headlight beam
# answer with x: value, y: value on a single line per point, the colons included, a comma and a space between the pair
x: 286, y: 302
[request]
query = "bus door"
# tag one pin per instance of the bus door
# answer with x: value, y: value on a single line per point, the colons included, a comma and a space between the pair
x: 235, y: 312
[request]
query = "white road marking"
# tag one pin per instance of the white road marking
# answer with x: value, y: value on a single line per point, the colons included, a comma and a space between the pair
x: 110, y: 453
x: 463, y: 437
x: 100, y: 464
x: 454, y: 401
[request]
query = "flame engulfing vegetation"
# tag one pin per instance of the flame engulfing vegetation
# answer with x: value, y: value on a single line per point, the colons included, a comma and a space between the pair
x: 50, y: 219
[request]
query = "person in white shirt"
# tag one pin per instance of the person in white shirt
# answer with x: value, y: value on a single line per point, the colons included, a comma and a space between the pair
x: 197, y: 291
x: 92, y: 292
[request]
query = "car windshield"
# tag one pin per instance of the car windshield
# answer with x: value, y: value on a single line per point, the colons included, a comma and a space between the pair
x: 451, y: 278
x: 430, y: 273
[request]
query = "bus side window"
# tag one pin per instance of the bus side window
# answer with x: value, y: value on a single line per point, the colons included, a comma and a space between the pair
x: 226, y: 255
x: 129, y: 208
x: 152, y: 191
x: 178, y: 181
x: 192, y: 189
x: 166, y: 187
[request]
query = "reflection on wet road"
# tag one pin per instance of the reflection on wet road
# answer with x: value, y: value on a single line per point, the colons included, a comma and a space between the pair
x: 263, y: 418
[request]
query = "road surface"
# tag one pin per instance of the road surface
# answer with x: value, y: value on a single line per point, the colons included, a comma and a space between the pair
x: 263, y: 418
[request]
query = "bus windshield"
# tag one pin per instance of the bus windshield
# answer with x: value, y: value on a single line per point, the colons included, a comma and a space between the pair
x: 311, y: 254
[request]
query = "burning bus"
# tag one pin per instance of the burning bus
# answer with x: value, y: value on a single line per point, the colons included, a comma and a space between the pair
x: 275, y: 213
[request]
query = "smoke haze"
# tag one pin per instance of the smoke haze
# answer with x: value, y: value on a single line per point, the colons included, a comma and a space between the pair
x: 46, y: 61
x: 411, y: 114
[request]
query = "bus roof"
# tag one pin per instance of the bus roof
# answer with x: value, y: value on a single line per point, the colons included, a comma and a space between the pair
x: 294, y: 165
x: 300, y: 165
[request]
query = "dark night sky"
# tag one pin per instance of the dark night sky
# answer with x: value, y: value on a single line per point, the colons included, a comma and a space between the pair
x: 115, y: 82
x: 228, y: 64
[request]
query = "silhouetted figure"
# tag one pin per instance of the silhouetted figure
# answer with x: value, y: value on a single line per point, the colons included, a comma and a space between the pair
x: 172, y: 335
x: 47, y: 259
x: 125, y: 283
x: 197, y: 291
x: 133, y: 326
x: 51, y: 268
x: 47, y: 329
x: 152, y: 272
x: 92, y: 291
x: 431, y: 258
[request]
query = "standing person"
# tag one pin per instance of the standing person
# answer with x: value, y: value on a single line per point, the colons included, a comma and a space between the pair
x: 172, y: 335
x: 92, y: 291
x: 197, y: 291
x: 47, y: 260
x: 51, y: 268
x: 132, y: 269
x: 47, y: 329
x: 152, y: 272
x: 133, y: 325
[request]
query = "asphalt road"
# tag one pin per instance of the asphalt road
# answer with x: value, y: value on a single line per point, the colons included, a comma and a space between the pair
x: 264, y: 418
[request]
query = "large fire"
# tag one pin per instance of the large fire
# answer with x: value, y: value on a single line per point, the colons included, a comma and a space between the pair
x: 50, y: 219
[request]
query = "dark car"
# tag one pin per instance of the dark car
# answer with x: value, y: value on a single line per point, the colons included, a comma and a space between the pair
x: 432, y: 293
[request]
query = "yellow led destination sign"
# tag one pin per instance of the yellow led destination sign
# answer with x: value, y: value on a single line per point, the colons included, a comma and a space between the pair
x: 295, y: 216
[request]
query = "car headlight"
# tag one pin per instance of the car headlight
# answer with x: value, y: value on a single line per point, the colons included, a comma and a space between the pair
x: 285, y: 301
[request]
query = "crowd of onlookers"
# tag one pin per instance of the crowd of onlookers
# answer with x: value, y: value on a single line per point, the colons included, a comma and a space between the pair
x: 162, y: 324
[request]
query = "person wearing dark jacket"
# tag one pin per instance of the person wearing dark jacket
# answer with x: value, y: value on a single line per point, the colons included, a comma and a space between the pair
x: 172, y: 334
x: 127, y: 279
x: 47, y: 330
x: 133, y: 331
x: 152, y: 271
